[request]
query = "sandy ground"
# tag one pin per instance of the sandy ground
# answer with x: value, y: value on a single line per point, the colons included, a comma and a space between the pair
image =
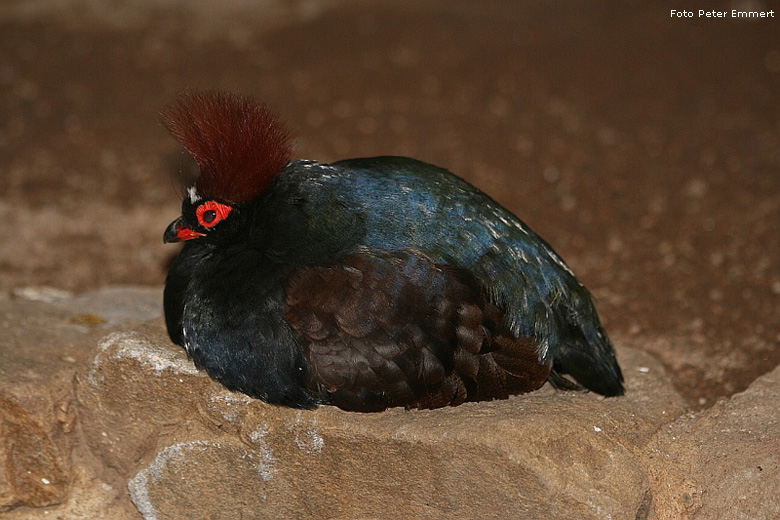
x: 644, y: 148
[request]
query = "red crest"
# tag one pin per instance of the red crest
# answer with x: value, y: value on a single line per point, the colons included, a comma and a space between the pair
x: 238, y: 144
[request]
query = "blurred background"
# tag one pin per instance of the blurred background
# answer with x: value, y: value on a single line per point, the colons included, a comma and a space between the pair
x: 644, y: 148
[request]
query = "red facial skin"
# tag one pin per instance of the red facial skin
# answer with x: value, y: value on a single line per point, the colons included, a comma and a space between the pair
x: 211, y: 213
x: 187, y: 234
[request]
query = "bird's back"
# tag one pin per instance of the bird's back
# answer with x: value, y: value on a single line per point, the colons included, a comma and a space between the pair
x: 401, y: 204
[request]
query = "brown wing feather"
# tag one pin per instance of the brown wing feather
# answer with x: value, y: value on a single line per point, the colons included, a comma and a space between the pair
x: 383, y: 329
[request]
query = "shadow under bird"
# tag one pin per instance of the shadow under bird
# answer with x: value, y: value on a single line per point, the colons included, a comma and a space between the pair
x: 366, y: 283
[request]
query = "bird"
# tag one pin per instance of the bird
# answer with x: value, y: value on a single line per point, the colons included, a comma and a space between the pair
x: 365, y: 284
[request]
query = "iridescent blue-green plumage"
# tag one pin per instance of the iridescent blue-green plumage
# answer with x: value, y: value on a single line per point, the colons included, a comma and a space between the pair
x: 366, y: 283
x: 397, y: 203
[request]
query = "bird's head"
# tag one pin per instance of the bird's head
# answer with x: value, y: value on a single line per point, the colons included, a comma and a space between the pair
x: 212, y: 219
x: 239, y: 147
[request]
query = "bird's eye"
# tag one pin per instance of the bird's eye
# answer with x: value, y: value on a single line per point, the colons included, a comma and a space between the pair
x: 209, y: 216
x: 211, y: 212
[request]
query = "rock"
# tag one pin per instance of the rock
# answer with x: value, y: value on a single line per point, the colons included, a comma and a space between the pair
x: 723, y: 462
x: 182, y: 439
x: 46, y: 336
x: 102, y: 417
x: 136, y: 388
x: 33, y: 471
x: 239, y: 492
x: 36, y: 415
x: 116, y: 305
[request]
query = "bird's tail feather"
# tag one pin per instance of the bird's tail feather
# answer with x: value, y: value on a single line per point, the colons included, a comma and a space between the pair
x: 587, y: 355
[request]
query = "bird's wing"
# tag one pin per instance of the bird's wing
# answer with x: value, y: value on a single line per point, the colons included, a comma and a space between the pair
x: 394, y: 203
x: 455, y: 224
x: 392, y: 328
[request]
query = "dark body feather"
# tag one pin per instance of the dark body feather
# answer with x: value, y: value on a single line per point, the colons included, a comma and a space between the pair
x: 391, y: 328
x: 380, y: 282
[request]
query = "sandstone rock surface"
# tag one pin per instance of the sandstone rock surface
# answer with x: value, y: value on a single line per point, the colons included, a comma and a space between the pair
x: 723, y: 462
x: 46, y: 335
x: 103, y: 418
x: 182, y: 439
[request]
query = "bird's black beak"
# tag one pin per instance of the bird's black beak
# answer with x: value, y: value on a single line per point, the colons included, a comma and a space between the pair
x: 178, y: 232
x: 172, y: 232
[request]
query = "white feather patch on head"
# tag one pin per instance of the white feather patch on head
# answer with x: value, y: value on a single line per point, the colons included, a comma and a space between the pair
x: 192, y: 193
